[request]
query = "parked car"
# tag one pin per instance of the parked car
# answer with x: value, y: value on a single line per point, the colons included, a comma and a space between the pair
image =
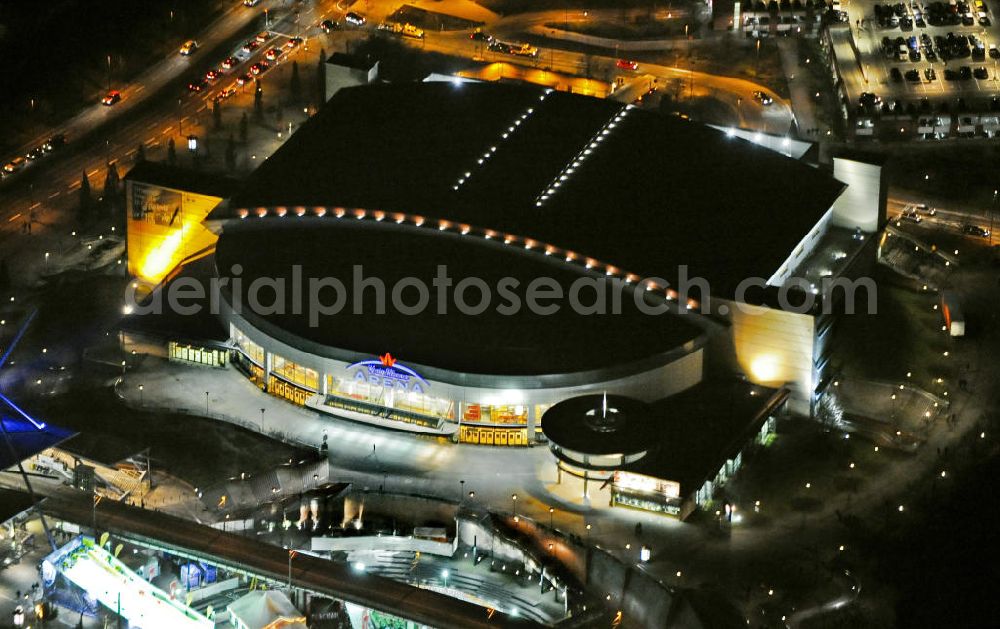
x: 328, y: 25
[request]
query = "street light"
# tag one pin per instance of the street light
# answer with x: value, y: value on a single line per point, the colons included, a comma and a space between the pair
x: 140, y: 395
x: 513, y: 500
x: 262, y: 419
x: 552, y: 512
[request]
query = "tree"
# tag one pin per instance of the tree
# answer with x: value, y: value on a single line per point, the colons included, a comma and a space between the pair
x: 321, y: 79
x: 295, y: 84
x: 258, y: 100
x: 140, y: 153
x: 111, y: 188
x: 171, y: 152
x: 217, y: 114
x: 231, y: 154
x: 85, y: 200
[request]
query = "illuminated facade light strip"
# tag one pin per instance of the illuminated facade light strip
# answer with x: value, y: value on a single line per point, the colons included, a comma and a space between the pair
x: 528, y: 244
x: 509, y: 131
x: 578, y: 159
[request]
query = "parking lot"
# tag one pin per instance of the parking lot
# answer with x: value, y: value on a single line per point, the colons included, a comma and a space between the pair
x: 917, y: 57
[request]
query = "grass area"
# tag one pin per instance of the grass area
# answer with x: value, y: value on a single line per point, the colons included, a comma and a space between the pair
x: 732, y: 58
x: 509, y: 7
x: 636, y: 30
x: 200, y: 451
x: 814, y: 59
x: 431, y: 21
x: 903, y: 335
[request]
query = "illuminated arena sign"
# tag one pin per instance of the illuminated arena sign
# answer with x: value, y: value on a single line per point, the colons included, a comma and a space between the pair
x: 387, y: 373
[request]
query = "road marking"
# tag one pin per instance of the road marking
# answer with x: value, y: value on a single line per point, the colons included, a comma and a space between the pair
x: 92, y: 173
x: 202, y: 108
x: 140, y: 88
x: 14, y: 218
x: 55, y: 194
x: 129, y: 154
x: 37, y: 203
x: 75, y: 185
x: 151, y: 142
x: 152, y: 125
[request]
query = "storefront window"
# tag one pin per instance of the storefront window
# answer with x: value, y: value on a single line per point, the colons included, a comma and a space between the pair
x: 203, y: 356
x: 294, y: 373
x: 495, y: 414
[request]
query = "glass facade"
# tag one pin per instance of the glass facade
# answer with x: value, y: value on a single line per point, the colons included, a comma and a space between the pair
x: 493, y: 435
x: 250, y: 349
x: 354, y: 388
x: 210, y: 357
x: 295, y: 374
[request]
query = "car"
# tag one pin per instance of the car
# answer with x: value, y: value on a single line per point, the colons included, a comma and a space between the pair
x: 930, y: 74
x: 293, y: 42
x: 895, y: 75
x: 263, y: 36
x: 994, y: 52
x: 924, y: 209
x: 762, y: 98
x: 499, y: 46
x: 111, y: 98
x: 224, y: 94
x: 259, y: 68
x: 965, y: 73
x: 950, y: 74
x: 355, y: 18
x: 328, y: 25
x: 626, y: 64
x: 250, y: 46
x: 212, y: 75
x: 971, y: 230
x: 479, y: 35
x: 915, y: 56
x: 189, y: 47
x: 911, y: 215
x: 230, y: 63
x: 197, y: 85
x: 980, y: 73
x: 35, y: 153
x: 243, y: 79
x: 250, y: 3
x: 913, y: 75
x: 868, y: 99
x: 53, y: 143
x: 273, y: 54
x: 14, y: 165
x: 930, y: 55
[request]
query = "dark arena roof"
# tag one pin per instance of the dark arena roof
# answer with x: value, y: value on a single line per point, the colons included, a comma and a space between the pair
x: 639, y: 190
x: 492, y: 343
x: 600, y: 425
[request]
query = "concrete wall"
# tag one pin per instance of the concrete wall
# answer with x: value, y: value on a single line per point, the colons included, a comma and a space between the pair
x: 382, y: 542
x: 772, y: 347
x: 863, y: 204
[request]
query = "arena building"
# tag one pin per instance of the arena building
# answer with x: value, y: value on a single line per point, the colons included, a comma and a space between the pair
x: 504, y: 181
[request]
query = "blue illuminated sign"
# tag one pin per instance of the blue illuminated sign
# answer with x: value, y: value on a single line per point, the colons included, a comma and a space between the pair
x: 387, y: 373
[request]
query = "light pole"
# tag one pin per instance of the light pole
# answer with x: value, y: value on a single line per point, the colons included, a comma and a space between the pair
x: 206, y: 403
x: 513, y: 501
x: 262, y: 420
x: 140, y: 395
x: 461, y: 494
x: 552, y: 513
x: 109, y: 73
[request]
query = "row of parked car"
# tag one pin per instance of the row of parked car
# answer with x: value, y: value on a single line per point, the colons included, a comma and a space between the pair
x: 946, y: 47
x: 952, y: 13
